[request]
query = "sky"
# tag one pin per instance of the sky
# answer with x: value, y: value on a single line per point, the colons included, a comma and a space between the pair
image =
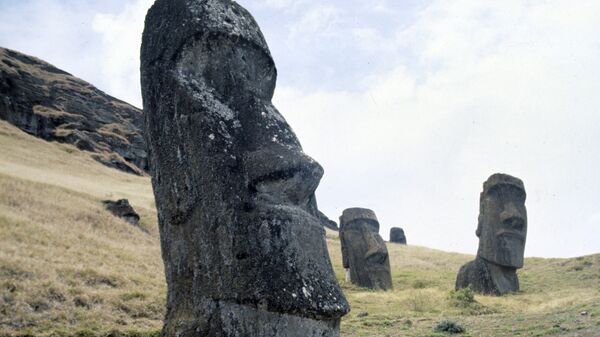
x: 408, y: 105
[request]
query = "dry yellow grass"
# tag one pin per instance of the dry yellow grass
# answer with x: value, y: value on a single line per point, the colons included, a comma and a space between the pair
x: 114, y: 131
x: 28, y: 158
x: 67, y: 267
x: 554, y: 293
x: 49, y: 112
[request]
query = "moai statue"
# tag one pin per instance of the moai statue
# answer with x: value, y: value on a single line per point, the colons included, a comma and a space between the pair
x: 364, y: 254
x: 502, y: 230
x: 242, y: 239
x: 397, y: 235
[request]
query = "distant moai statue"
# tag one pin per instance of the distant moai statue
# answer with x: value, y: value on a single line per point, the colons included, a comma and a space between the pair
x: 242, y: 238
x: 397, y: 235
x: 502, y: 231
x: 364, y: 253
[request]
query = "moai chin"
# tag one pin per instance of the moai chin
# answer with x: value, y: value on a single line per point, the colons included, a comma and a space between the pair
x: 397, y: 235
x: 502, y: 231
x: 242, y: 239
x: 364, y: 254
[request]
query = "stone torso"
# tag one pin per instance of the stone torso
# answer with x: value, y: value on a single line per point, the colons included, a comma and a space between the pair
x: 486, y: 278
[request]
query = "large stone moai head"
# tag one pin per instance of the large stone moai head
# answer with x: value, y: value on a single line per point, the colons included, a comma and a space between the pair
x: 397, y: 235
x: 242, y: 239
x: 502, y: 227
x: 364, y: 252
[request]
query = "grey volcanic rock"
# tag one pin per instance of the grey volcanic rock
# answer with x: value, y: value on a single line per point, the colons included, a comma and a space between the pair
x: 52, y: 104
x: 122, y: 209
x: 242, y: 239
x: 364, y: 254
x: 397, y: 235
x: 502, y: 231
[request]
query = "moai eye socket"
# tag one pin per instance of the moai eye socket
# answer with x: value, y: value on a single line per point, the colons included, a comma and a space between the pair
x: 234, y: 68
x: 506, y: 193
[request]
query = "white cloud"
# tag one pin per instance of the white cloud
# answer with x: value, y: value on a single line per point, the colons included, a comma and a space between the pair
x: 280, y: 4
x: 102, y: 49
x: 50, y: 30
x: 496, y: 87
x: 318, y: 19
x: 378, y: 6
x: 121, y: 40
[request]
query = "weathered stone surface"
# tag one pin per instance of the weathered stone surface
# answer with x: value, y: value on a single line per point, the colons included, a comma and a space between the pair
x: 397, y: 235
x: 52, y: 104
x: 364, y: 253
x: 242, y: 239
x: 502, y: 231
x: 122, y: 209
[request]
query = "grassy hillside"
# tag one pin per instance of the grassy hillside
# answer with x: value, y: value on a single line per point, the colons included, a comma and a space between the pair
x: 67, y: 267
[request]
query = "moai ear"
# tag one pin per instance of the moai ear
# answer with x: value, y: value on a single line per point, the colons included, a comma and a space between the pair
x: 345, y: 258
x: 480, y: 217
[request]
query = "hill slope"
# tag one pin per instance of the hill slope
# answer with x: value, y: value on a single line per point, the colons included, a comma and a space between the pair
x: 67, y: 267
x: 52, y: 104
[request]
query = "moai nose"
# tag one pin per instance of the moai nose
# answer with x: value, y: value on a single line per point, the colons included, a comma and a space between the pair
x: 377, y: 251
x: 283, y: 175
